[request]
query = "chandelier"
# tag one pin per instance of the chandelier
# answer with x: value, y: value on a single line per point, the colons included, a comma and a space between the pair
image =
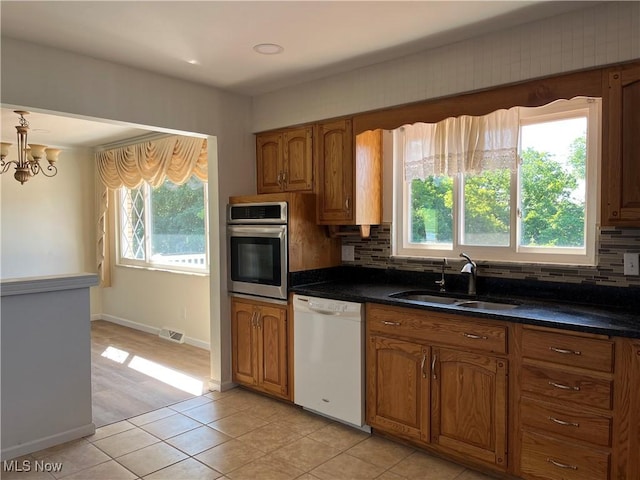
x: 28, y: 163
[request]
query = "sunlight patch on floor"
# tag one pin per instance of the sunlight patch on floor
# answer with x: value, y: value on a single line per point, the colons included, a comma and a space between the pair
x: 170, y: 377
x: 164, y: 374
x: 115, y: 354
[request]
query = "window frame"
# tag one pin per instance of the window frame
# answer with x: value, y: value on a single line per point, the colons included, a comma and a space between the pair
x: 148, y: 264
x: 514, y: 253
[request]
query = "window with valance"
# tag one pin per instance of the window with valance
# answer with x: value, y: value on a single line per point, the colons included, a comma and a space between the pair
x: 145, y: 176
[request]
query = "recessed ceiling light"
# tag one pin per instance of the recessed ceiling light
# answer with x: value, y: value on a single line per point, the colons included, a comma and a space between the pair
x: 193, y: 62
x: 268, y: 48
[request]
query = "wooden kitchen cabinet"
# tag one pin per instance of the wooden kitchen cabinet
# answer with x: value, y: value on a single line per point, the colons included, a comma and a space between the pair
x: 398, y: 387
x: 469, y: 404
x: 626, y: 433
x: 621, y: 148
x: 260, y: 346
x: 431, y: 379
x: 284, y: 161
x: 349, y: 175
x: 566, y: 405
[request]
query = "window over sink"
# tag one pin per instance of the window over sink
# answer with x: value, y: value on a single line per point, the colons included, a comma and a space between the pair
x: 164, y: 227
x: 515, y: 185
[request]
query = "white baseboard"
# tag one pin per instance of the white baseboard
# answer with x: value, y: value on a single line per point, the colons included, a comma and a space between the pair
x: 46, y: 442
x: 146, y: 328
x: 216, y: 386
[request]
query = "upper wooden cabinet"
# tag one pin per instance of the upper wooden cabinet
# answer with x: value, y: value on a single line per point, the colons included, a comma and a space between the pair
x: 285, y: 161
x: 349, y: 175
x: 621, y: 147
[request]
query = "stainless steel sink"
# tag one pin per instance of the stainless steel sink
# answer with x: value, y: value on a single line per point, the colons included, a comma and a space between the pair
x: 479, y: 305
x: 422, y: 297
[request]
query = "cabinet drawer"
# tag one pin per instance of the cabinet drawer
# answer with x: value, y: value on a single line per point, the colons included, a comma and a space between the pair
x: 583, y: 389
x: 551, y: 459
x: 465, y: 332
x: 567, y: 349
x: 568, y: 422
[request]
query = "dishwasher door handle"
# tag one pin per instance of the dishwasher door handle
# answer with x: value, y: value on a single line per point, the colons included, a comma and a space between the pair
x: 314, y: 307
x: 322, y: 312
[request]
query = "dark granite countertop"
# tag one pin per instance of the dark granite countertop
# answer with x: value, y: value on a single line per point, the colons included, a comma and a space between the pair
x: 621, y: 320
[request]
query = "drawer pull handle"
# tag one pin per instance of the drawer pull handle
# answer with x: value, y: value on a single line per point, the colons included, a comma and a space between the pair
x: 562, y: 422
x: 473, y: 336
x: 564, y: 351
x: 393, y: 324
x: 564, y: 387
x: 561, y: 465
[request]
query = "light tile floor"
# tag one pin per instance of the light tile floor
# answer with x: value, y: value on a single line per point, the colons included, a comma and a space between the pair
x: 234, y: 435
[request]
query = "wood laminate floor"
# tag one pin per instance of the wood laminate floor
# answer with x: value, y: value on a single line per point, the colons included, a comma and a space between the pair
x: 134, y: 372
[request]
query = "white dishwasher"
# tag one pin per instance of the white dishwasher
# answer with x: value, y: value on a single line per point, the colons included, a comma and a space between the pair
x: 329, y: 358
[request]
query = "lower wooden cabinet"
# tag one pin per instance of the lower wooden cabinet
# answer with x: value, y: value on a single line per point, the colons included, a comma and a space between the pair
x: 626, y: 430
x: 398, y: 387
x: 469, y: 404
x: 550, y: 458
x: 259, y: 333
x: 565, y: 404
x: 450, y: 400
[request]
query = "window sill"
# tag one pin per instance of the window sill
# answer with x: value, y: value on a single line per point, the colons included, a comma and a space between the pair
x: 163, y: 270
x: 491, y: 262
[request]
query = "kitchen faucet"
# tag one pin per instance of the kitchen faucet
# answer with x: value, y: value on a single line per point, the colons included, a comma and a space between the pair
x: 472, y: 269
x: 441, y: 281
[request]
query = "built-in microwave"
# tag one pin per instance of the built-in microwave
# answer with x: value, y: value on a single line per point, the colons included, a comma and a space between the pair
x: 257, y: 249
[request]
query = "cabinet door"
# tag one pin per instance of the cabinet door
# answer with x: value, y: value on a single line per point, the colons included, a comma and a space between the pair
x: 469, y: 404
x: 335, y: 172
x: 298, y: 160
x: 621, y: 165
x: 626, y: 438
x: 398, y: 387
x: 269, y: 162
x: 272, y: 349
x: 244, y: 342
x: 634, y: 467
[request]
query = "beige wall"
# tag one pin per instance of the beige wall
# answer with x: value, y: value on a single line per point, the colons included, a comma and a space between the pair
x: 46, y: 225
x: 156, y: 299
x: 608, y: 32
x: 82, y: 86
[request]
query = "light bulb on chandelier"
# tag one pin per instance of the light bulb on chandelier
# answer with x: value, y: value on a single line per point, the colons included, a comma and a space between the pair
x: 29, y: 156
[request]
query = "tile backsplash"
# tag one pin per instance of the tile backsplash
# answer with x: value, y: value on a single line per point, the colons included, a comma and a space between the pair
x: 375, y: 252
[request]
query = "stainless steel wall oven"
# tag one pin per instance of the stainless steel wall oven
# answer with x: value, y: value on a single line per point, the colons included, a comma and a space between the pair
x: 257, y: 249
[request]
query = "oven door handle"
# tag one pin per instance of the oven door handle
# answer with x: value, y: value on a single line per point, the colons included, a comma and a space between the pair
x: 266, y: 231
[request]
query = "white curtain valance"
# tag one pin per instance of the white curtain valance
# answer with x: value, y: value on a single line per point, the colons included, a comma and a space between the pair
x: 176, y: 158
x: 462, y: 144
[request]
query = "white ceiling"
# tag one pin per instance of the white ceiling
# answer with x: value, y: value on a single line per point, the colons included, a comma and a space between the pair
x: 320, y: 38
